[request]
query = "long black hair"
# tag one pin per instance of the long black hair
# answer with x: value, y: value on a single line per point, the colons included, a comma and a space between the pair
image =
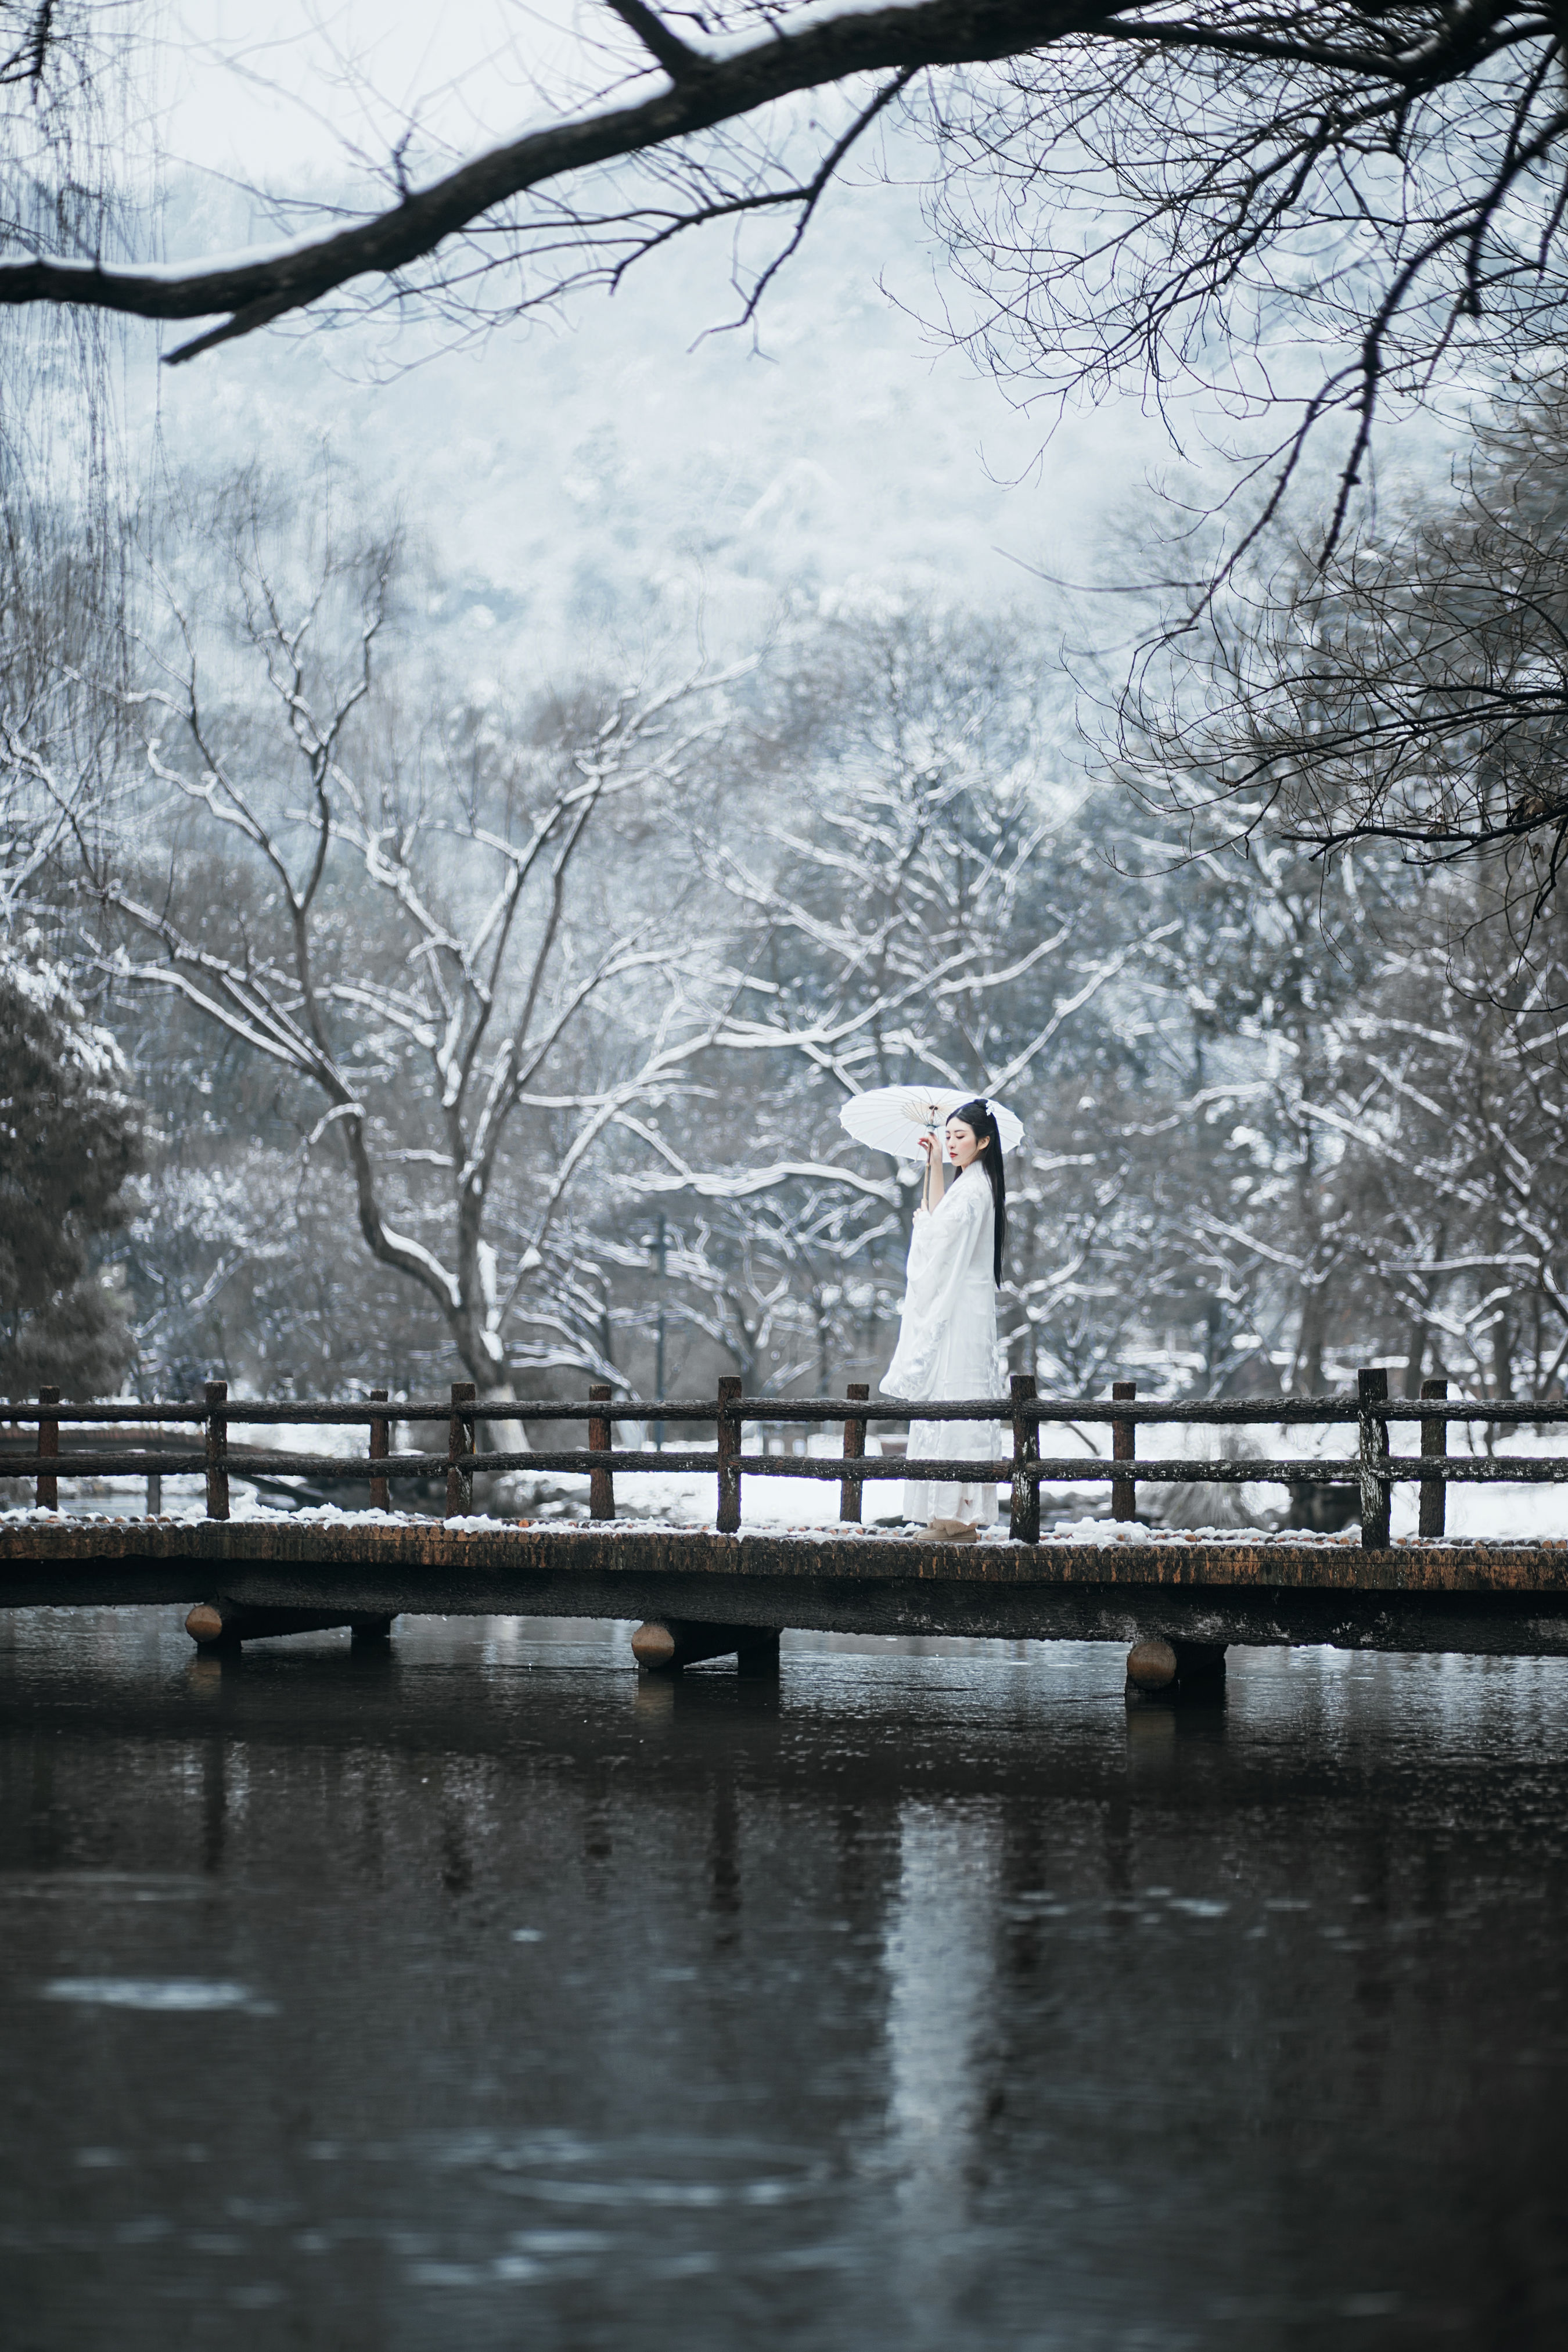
x: 977, y: 1117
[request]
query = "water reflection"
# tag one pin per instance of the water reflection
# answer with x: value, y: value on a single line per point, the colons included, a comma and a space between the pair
x: 485, y: 1992
x: 940, y: 1960
x: 1175, y: 1734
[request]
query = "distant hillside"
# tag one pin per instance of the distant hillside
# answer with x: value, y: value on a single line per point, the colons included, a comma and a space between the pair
x: 587, y: 480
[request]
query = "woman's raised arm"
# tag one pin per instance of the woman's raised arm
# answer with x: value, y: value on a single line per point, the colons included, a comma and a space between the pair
x: 935, y: 1182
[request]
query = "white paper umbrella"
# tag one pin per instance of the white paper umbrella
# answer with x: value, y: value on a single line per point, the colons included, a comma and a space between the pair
x: 894, y: 1118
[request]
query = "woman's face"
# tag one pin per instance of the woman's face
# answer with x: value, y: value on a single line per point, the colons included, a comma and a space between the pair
x: 963, y: 1145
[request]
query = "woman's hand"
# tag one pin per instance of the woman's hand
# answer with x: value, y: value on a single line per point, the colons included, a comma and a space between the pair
x: 930, y: 1187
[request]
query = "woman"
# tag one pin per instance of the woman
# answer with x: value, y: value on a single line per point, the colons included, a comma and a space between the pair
x: 947, y: 1338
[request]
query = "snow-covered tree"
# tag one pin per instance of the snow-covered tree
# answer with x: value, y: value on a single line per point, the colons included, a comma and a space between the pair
x: 439, y: 922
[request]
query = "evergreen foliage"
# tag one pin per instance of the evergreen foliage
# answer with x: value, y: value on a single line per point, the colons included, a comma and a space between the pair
x: 69, y: 1140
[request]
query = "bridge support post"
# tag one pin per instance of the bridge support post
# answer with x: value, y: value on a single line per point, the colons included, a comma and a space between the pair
x: 460, y: 1440
x: 729, y: 1518
x: 222, y: 1625
x: 1157, y: 1666
x: 48, y: 1487
x: 1372, y: 1390
x: 380, y: 1446
x: 665, y: 1644
x: 1123, y: 1448
x: 1023, y: 1519
x: 217, y: 1397
x: 1434, y: 1448
x: 601, y: 1437
x: 851, y: 1490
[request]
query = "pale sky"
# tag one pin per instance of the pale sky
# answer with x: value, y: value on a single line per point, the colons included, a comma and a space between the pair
x: 348, y: 75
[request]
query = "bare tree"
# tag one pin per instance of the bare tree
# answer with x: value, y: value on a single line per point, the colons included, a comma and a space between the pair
x: 407, y: 946
x: 1414, y: 691
x: 1455, y: 1182
x: 1132, y: 189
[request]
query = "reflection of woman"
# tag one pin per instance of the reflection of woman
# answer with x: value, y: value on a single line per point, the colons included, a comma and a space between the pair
x: 947, y: 1338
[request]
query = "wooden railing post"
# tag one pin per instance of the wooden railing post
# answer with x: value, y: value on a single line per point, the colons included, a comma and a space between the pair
x: 460, y: 1440
x: 1123, y: 1448
x: 1372, y: 1389
x: 729, y: 1520
x: 380, y: 1447
x: 850, y: 1487
x: 1024, y: 1522
x: 1434, y: 1448
x: 601, y: 1437
x: 49, y: 1490
x: 216, y: 1396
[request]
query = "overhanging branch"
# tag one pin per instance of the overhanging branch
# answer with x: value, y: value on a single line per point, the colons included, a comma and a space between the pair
x: 723, y: 84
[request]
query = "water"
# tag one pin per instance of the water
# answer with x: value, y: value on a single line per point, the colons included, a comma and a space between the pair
x: 484, y: 1995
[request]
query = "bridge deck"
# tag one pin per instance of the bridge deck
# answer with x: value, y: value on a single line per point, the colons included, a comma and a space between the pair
x: 1508, y: 1598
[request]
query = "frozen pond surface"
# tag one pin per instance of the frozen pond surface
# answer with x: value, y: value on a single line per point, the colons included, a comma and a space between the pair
x: 483, y: 1995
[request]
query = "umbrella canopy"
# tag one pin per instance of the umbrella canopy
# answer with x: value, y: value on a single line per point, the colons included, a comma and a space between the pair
x: 894, y: 1118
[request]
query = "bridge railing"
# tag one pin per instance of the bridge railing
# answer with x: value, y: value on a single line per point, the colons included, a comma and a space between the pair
x: 1372, y: 1470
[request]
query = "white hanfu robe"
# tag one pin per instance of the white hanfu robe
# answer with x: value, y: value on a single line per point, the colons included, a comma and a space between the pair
x: 947, y: 1344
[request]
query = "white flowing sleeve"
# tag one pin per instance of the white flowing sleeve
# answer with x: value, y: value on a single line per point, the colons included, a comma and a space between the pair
x: 941, y: 1251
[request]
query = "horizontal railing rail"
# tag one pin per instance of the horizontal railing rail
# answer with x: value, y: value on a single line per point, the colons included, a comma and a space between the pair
x: 1374, y: 1469
x: 1228, y: 1413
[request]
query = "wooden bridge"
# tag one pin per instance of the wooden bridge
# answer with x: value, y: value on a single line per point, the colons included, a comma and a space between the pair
x: 716, y: 1590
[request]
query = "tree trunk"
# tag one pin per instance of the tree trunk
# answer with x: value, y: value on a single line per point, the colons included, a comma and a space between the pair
x: 1415, y: 1361
x: 1307, y: 1373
